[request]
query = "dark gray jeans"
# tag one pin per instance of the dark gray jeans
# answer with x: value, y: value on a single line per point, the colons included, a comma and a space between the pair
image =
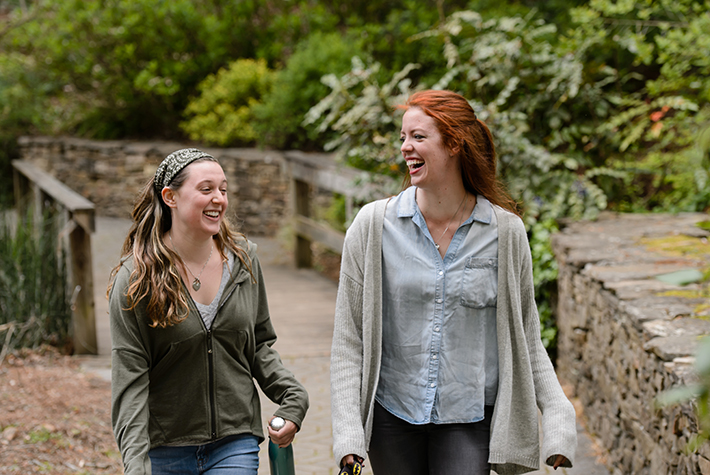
x: 398, y: 447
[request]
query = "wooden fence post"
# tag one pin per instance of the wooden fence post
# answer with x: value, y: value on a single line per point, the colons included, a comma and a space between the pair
x: 302, y: 207
x: 312, y: 171
x: 82, y: 279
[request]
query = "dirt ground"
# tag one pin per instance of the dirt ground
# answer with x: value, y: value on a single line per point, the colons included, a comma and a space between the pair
x: 54, y: 418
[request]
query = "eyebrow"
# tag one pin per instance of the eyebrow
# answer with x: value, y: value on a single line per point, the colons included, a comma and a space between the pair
x: 415, y: 129
x: 208, y: 181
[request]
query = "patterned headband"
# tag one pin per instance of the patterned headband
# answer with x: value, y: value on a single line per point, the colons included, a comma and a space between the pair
x: 173, y: 164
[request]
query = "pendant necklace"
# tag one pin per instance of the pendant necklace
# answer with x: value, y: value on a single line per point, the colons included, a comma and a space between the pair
x: 196, y: 284
x: 465, y: 195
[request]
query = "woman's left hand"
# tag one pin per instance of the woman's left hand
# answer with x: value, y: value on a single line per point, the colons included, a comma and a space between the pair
x: 559, y: 461
x: 284, y: 436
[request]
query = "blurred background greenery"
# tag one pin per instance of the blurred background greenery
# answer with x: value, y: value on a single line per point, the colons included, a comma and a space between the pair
x: 595, y: 104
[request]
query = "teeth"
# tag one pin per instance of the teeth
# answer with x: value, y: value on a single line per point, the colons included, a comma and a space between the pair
x: 413, y: 162
x: 212, y: 214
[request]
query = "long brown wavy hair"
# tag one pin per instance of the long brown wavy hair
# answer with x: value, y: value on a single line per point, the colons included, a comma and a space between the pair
x: 155, y: 274
x: 466, y: 135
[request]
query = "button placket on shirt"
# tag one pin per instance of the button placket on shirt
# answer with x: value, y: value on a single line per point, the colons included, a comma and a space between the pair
x: 436, y: 337
x: 438, y: 320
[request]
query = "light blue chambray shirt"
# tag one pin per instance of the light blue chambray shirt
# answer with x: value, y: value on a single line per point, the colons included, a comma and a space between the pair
x: 439, y: 346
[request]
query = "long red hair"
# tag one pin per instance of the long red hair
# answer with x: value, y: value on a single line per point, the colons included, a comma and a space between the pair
x: 467, y: 136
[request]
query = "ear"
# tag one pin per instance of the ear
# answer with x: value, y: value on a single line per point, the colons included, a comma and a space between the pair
x: 169, y: 197
x: 454, y: 148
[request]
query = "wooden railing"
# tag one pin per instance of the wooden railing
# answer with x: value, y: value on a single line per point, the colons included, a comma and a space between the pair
x: 36, y: 188
x: 308, y: 172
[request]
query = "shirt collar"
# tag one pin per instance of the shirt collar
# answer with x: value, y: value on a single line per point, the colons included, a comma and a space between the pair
x: 482, y: 212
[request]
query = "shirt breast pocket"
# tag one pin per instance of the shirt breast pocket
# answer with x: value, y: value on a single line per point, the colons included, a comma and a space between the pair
x: 480, y: 282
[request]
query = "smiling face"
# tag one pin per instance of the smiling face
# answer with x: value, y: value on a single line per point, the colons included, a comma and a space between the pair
x: 429, y: 162
x: 199, y: 205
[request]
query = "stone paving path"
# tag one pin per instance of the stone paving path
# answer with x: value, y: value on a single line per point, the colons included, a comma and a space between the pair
x: 302, y: 304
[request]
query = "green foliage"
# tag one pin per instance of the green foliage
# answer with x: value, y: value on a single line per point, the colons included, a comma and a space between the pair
x: 34, y: 306
x: 42, y: 434
x: 698, y: 392
x: 223, y: 113
x: 360, y: 112
x: 545, y: 278
x: 297, y: 87
x: 129, y: 67
x: 389, y: 42
x: 18, y: 112
x: 661, y: 98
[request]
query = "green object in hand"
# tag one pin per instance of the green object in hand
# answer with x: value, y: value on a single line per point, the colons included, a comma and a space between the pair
x: 280, y: 459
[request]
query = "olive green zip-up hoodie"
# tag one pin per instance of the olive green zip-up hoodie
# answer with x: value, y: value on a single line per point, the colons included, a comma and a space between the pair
x: 189, y: 385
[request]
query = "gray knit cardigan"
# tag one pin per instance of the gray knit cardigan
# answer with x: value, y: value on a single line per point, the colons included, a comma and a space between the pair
x: 526, y: 382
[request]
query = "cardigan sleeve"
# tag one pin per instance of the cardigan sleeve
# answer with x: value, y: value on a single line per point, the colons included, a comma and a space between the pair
x: 346, y: 367
x: 130, y: 362
x: 558, y: 415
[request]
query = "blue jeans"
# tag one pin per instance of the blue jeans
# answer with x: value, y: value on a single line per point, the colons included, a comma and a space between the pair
x: 429, y: 449
x: 233, y: 455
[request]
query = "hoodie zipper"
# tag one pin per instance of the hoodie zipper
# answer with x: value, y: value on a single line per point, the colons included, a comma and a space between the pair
x: 210, y: 363
x: 210, y: 360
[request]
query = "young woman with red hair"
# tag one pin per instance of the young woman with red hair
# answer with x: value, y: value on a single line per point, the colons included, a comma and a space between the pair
x: 437, y: 364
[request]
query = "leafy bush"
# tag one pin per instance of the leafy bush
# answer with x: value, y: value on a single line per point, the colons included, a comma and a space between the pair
x: 34, y: 307
x: 128, y: 67
x: 389, y: 42
x: 360, y: 112
x: 18, y: 113
x: 659, y: 51
x: 297, y: 87
x: 223, y: 113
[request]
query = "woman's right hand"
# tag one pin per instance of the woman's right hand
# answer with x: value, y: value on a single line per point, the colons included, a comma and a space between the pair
x: 284, y: 436
x: 350, y: 460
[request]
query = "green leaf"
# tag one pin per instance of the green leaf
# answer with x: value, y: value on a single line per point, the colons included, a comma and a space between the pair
x: 681, y: 277
x: 678, y: 395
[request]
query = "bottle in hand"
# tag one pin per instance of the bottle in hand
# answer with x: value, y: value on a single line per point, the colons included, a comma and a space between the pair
x: 280, y: 459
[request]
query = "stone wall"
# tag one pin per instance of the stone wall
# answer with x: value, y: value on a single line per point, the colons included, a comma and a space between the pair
x: 625, y: 335
x: 111, y: 174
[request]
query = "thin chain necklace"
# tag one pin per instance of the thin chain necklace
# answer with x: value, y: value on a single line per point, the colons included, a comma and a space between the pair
x: 196, y: 284
x: 465, y: 195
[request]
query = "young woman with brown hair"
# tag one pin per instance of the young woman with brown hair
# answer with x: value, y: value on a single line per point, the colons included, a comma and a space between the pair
x: 437, y: 366
x: 190, y: 333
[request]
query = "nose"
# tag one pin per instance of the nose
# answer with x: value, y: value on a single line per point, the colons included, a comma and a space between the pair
x: 218, y: 197
x: 406, y: 145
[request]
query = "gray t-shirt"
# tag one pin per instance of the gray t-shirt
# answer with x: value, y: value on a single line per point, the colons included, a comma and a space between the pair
x: 208, y: 312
